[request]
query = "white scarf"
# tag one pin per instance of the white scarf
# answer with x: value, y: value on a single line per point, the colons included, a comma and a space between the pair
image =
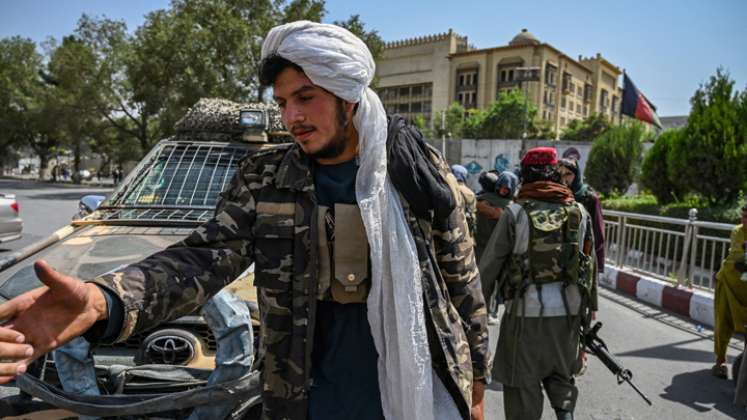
x: 335, y: 59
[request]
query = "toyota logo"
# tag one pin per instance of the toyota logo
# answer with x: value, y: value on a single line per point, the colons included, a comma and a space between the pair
x: 170, y: 350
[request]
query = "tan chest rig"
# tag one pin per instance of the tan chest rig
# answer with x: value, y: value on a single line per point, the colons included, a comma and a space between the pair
x: 344, y: 262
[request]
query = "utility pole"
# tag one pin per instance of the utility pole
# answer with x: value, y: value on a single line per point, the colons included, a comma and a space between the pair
x: 524, y: 75
x: 443, y: 134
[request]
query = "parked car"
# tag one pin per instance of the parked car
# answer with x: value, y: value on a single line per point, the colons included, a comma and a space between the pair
x: 11, y: 223
x: 173, y: 189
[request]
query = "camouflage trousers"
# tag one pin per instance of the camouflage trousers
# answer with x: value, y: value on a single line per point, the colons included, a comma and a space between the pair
x: 228, y: 318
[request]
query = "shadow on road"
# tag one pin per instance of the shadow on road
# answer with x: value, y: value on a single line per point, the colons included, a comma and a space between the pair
x: 703, y: 393
x: 674, y: 351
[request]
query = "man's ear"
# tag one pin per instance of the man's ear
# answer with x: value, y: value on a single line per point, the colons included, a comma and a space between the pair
x: 350, y: 109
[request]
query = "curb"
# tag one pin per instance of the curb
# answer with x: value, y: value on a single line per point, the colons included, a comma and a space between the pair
x: 694, y: 304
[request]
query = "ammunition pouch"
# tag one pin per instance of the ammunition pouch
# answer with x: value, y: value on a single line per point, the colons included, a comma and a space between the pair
x: 344, y: 266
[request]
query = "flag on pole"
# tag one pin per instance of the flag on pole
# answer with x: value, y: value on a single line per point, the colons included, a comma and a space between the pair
x: 636, y: 105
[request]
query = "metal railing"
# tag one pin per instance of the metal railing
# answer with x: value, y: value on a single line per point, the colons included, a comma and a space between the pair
x: 684, y: 251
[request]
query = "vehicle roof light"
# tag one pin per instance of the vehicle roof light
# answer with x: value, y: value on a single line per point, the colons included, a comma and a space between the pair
x: 253, y: 119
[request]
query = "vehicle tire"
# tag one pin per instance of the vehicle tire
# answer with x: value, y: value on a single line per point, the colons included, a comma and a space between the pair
x: 735, y: 368
x: 171, y: 346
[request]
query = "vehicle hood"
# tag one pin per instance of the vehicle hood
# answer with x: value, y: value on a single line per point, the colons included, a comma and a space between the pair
x: 89, y: 252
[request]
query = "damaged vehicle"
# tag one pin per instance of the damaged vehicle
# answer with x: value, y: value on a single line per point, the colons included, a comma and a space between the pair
x: 173, y: 189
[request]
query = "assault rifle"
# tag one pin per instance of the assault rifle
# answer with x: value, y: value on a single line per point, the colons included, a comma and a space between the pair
x: 598, y: 347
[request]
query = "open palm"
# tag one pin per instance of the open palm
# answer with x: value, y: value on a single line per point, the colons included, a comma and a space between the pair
x: 47, y: 317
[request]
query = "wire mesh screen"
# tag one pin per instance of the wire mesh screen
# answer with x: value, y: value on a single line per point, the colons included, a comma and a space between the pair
x: 186, y: 176
x: 181, y: 182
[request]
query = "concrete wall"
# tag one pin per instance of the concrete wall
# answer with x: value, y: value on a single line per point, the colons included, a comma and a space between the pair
x: 486, y: 155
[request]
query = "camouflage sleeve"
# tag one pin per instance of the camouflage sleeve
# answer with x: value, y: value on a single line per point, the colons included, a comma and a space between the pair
x: 498, y: 249
x: 456, y: 261
x: 180, y: 279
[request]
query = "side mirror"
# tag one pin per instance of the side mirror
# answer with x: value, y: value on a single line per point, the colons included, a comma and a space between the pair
x: 89, y: 203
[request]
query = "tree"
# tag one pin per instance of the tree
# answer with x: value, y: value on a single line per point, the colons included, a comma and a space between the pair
x: 113, y: 97
x: 615, y: 158
x: 203, y: 48
x: 27, y: 105
x: 710, y: 156
x: 655, y: 175
x: 454, y: 121
x: 587, y: 129
x: 503, y: 119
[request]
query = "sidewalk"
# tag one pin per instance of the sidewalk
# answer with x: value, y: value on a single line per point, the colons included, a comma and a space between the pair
x: 694, y: 304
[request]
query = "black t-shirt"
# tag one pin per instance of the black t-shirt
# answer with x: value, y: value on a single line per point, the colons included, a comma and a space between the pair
x: 344, y: 360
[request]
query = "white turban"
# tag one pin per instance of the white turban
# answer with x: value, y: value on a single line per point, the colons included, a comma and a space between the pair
x: 335, y: 59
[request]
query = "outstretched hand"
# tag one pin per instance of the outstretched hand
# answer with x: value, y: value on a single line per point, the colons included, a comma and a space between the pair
x: 45, y: 318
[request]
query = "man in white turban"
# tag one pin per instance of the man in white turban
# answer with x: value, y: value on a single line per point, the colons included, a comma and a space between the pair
x: 370, y: 299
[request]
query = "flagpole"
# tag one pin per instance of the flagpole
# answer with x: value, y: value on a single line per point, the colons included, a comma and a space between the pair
x: 621, y: 102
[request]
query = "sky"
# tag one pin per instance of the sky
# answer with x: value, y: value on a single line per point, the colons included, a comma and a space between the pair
x: 667, y: 47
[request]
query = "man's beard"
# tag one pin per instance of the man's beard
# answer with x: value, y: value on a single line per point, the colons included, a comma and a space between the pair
x: 339, y: 141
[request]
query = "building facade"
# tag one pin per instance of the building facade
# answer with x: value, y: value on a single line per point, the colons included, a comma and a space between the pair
x: 422, y: 76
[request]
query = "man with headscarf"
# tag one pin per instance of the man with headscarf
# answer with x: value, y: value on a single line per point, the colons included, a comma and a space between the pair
x: 468, y: 200
x: 383, y: 317
x: 540, y: 259
x: 497, y: 193
x: 571, y: 176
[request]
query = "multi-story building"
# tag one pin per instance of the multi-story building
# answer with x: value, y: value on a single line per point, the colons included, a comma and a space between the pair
x: 421, y: 76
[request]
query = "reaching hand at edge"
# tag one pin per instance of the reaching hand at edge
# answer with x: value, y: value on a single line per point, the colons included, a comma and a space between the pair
x: 45, y: 318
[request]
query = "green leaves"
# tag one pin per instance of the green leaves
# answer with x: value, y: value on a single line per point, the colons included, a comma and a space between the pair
x: 587, y: 129
x: 656, y: 175
x: 102, y: 87
x: 615, y: 158
x: 503, y: 119
x: 708, y: 156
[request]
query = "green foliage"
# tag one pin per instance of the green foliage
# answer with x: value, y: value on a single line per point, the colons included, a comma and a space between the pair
x: 102, y: 86
x: 648, y: 204
x: 503, y: 119
x: 655, y: 175
x: 615, y: 158
x: 454, y: 120
x: 422, y: 125
x: 541, y: 129
x: 710, y: 156
x: 29, y: 108
x: 587, y: 129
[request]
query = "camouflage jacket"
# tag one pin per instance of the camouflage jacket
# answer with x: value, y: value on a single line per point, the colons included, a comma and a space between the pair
x: 267, y: 216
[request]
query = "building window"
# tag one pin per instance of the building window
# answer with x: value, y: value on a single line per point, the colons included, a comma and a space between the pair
x: 466, y: 90
x: 410, y: 101
x: 614, y: 104
x: 562, y: 102
x: 550, y: 74
x: 604, y: 100
x: 567, y: 82
x: 587, y: 92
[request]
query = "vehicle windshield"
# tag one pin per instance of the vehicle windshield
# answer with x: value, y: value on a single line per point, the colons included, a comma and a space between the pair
x: 177, y: 180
